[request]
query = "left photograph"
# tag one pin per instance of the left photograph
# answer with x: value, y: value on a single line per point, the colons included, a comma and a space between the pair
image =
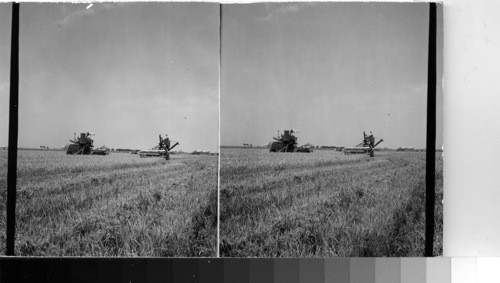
x: 118, y: 129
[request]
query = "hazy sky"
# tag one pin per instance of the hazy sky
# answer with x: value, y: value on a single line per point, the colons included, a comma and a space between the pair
x: 126, y: 72
x: 131, y: 71
x: 328, y: 70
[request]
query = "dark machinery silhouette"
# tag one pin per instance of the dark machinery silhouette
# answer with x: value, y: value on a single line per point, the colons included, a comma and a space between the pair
x: 83, y: 145
x: 367, y: 146
x: 287, y: 142
x: 162, y: 149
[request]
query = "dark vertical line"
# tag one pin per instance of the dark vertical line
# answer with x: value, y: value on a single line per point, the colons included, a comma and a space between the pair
x: 431, y: 136
x: 13, y: 129
x: 218, y: 171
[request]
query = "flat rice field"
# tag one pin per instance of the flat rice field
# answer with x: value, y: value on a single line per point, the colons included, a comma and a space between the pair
x: 325, y: 204
x: 116, y: 205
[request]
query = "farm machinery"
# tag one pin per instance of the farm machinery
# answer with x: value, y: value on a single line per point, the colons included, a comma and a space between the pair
x: 83, y: 145
x: 367, y: 146
x: 287, y: 142
x: 162, y: 149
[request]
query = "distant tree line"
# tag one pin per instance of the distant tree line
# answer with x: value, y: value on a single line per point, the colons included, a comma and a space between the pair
x: 123, y: 149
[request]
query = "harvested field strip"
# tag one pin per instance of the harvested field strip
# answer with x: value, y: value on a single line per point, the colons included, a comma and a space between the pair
x: 36, y: 165
x: 67, y: 182
x: 263, y: 182
x: 270, y: 191
x: 244, y: 171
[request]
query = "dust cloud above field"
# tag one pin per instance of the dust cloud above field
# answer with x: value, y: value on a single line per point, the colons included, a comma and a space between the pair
x: 125, y: 71
x: 328, y: 70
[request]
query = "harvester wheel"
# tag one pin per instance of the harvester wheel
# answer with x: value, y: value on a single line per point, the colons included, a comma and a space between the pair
x: 167, y: 156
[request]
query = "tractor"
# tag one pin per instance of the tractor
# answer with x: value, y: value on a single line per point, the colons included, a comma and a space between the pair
x: 162, y: 149
x: 367, y: 146
x: 287, y: 142
x: 82, y: 145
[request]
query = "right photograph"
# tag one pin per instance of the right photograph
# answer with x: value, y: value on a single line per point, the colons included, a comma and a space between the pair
x: 323, y: 128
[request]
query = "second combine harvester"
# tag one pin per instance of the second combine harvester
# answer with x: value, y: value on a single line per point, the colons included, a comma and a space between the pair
x: 162, y: 149
x: 367, y: 146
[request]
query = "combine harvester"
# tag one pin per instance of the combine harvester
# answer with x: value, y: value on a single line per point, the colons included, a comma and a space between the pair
x: 287, y: 143
x: 367, y: 146
x: 161, y: 150
x: 83, y: 146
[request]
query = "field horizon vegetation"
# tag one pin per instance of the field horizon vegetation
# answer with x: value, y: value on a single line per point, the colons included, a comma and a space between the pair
x: 325, y: 204
x: 115, y: 205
